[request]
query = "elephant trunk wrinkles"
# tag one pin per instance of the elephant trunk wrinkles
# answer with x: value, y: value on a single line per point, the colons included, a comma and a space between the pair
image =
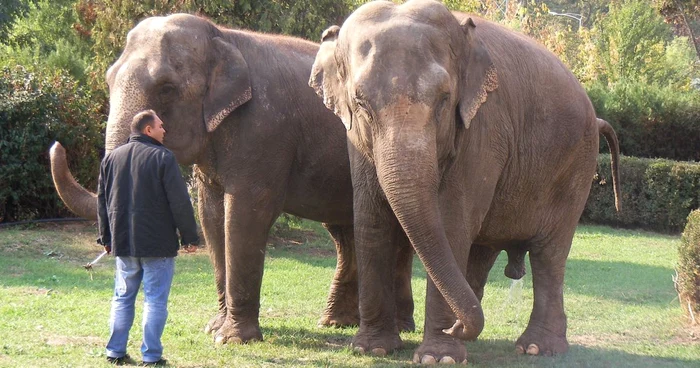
x: 408, y: 175
x: 82, y: 202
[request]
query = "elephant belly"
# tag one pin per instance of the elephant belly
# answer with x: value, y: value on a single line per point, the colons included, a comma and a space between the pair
x: 325, y: 201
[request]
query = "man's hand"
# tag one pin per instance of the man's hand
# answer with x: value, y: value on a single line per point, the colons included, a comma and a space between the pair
x: 108, y: 249
x: 190, y: 248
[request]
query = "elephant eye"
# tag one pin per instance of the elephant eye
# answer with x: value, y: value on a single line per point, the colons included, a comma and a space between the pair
x: 441, y: 106
x: 362, y: 107
x: 167, y: 91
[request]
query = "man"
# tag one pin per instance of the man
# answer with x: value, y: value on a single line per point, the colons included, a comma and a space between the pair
x: 142, y: 200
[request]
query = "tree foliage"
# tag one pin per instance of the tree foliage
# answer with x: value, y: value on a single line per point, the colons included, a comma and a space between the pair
x: 44, y: 38
x: 35, y: 110
x: 683, y: 14
x: 9, y: 9
x: 632, y: 41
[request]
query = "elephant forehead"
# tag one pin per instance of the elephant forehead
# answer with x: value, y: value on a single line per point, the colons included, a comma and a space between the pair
x: 174, y: 34
x: 382, y: 77
x: 427, y: 11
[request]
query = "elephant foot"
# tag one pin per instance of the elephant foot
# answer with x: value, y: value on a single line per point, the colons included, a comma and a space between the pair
x: 232, y: 332
x: 441, y: 349
x: 340, y: 315
x: 538, y: 341
x: 376, y: 344
x: 215, y: 323
x: 339, y: 321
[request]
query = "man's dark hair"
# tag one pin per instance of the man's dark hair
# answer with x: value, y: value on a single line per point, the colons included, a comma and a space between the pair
x: 141, y: 120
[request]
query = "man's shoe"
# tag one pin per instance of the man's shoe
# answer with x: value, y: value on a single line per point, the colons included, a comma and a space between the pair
x: 157, y: 363
x: 126, y: 359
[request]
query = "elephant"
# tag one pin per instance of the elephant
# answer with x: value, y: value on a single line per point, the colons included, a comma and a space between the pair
x: 470, y: 139
x: 236, y: 104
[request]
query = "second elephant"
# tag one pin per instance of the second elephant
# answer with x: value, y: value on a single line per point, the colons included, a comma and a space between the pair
x: 470, y: 139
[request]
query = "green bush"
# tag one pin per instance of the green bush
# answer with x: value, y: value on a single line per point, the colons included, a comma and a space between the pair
x: 651, y: 121
x: 656, y: 194
x: 44, y: 36
x: 36, y: 110
x: 688, y: 281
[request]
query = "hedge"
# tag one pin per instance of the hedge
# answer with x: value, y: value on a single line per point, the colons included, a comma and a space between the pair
x: 688, y: 280
x: 651, y: 121
x: 35, y: 110
x: 657, y: 194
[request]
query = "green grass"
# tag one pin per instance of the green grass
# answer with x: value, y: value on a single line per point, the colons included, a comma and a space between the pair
x: 619, y: 297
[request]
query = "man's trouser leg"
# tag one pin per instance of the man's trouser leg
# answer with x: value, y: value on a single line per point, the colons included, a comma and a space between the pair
x: 127, y: 279
x: 157, y: 278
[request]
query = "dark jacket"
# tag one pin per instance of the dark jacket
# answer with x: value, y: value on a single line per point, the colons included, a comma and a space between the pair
x: 142, y: 199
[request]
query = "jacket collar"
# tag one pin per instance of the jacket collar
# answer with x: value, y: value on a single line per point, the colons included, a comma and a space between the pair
x: 144, y: 139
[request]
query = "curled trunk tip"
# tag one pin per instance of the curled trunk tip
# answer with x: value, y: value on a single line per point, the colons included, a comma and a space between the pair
x: 79, y: 200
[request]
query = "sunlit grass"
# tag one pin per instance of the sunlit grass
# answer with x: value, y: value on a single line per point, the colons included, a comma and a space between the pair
x: 621, y: 306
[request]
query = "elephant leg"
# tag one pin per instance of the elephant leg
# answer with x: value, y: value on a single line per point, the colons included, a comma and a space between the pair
x: 342, y: 308
x: 481, y: 260
x: 402, y: 283
x: 461, y: 224
x: 376, y: 263
x: 248, y: 221
x: 546, y: 332
x: 211, y: 216
x: 437, y: 346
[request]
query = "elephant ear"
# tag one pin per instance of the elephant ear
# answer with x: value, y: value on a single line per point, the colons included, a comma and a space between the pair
x: 326, y: 79
x: 479, y: 74
x: 229, y: 83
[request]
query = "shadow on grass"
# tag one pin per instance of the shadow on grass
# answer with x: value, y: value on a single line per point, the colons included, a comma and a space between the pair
x: 625, y: 282
x: 481, y: 353
x: 620, y: 281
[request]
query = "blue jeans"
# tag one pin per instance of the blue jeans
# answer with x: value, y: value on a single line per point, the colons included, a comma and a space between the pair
x: 157, y: 276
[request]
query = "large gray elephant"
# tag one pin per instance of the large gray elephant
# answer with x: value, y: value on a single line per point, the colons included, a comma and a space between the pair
x: 237, y: 104
x: 472, y: 139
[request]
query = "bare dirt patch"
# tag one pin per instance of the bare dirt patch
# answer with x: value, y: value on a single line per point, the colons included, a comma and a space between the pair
x: 599, y: 340
x: 72, y: 242
x: 37, y: 291
x: 74, y: 340
x: 688, y: 335
x: 299, y: 241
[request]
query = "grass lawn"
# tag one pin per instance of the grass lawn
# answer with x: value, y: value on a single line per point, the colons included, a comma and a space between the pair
x: 621, y: 305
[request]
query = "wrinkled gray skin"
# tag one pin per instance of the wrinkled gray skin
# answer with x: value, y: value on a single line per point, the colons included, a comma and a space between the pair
x: 472, y: 139
x: 237, y: 104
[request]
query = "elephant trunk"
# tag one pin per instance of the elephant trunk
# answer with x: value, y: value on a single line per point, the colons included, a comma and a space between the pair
x: 123, y: 108
x: 82, y: 202
x: 407, y: 168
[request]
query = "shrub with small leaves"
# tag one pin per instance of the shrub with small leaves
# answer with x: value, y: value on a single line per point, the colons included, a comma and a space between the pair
x: 37, y: 109
x: 688, y: 282
x: 656, y: 194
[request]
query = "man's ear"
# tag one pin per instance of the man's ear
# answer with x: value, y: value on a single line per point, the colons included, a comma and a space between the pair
x: 325, y: 77
x: 228, y: 85
x: 479, y: 75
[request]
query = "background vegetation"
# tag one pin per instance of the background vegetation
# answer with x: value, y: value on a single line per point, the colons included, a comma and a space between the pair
x: 637, y: 59
x: 687, y: 279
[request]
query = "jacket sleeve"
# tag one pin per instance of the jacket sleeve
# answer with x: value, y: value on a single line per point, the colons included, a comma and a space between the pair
x: 104, y: 233
x: 179, y: 201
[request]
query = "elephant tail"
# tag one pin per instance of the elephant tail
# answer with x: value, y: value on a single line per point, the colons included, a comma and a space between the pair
x: 608, y: 132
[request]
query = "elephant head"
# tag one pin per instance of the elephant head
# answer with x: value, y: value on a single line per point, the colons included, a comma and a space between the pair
x: 187, y: 71
x: 407, y: 80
